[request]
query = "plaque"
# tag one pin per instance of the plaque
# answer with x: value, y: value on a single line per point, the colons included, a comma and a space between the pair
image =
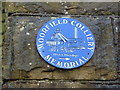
x: 65, y: 43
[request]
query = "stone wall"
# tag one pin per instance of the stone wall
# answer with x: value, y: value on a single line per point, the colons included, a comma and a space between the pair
x: 24, y: 68
x: 1, y: 44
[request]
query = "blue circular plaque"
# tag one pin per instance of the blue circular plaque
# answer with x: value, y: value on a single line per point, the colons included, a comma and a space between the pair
x: 65, y: 43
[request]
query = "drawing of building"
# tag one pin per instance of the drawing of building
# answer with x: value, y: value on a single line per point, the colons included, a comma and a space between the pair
x: 59, y: 42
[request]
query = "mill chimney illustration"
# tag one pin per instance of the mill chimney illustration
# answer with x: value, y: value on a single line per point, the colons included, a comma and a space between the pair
x: 76, y: 33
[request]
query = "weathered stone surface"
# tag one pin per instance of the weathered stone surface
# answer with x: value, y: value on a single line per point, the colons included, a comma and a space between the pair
x: 78, y: 8
x: 30, y: 54
x: 22, y: 61
x: 59, y: 84
x: 0, y: 45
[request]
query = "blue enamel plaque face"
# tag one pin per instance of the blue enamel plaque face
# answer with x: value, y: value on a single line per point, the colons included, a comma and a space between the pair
x: 65, y: 43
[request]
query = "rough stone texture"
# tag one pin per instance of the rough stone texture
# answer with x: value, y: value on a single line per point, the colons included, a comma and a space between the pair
x: 78, y: 8
x: 0, y: 45
x: 22, y: 61
x: 60, y: 84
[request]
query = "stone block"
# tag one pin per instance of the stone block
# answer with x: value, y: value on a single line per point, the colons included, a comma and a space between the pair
x: 78, y: 8
x: 22, y: 61
x: 59, y: 84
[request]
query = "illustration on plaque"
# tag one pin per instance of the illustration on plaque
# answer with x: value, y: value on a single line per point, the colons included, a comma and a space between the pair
x: 59, y: 42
